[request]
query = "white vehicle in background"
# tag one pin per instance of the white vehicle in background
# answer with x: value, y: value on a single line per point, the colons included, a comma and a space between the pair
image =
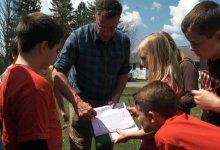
x: 137, y: 73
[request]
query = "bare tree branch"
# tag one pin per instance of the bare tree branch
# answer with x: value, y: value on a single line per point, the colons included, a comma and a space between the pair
x: 6, y: 15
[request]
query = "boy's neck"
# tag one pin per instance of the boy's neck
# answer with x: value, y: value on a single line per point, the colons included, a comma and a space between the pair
x: 29, y: 59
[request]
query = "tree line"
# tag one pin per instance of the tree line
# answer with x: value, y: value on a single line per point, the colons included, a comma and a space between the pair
x: 62, y: 11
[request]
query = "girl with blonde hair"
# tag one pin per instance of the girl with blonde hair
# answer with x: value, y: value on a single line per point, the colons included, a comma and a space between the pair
x: 158, y: 57
x: 189, y: 74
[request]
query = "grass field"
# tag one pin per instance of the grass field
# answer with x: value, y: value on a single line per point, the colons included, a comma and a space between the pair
x: 132, y: 144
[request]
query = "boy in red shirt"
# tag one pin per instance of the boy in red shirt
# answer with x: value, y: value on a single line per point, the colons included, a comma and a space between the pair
x: 157, y: 111
x: 27, y: 104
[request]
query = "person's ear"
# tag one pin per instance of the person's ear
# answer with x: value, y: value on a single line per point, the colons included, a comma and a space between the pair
x: 152, y: 116
x: 156, y: 120
x: 14, y: 56
x: 43, y: 46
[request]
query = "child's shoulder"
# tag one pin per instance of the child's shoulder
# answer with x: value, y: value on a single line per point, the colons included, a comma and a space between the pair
x: 169, y: 131
x: 4, y: 73
x: 187, y: 62
x: 21, y: 71
x: 24, y: 75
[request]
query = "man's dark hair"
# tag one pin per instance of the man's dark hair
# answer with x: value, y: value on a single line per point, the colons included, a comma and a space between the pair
x: 158, y: 97
x: 203, y: 19
x: 108, y: 8
x: 37, y: 27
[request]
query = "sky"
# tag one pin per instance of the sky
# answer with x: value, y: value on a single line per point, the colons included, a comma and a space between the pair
x: 150, y: 16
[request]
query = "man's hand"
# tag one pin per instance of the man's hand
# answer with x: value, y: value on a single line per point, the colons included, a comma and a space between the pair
x: 115, y: 100
x: 83, y: 109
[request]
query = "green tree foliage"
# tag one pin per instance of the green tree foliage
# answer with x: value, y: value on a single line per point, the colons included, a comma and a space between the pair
x: 81, y: 15
x: 72, y: 18
x: 10, y: 12
x: 62, y: 11
x: 23, y: 7
x: 91, y: 10
x: 84, y: 14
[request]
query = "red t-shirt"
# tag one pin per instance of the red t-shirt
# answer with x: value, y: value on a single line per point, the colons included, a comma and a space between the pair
x: 187, y: 132
x: 28, y: 109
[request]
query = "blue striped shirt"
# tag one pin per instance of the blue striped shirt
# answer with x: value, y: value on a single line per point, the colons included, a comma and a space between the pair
x: 98, y: 64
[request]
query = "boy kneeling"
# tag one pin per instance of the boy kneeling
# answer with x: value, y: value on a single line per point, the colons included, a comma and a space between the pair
x: 157, y: 111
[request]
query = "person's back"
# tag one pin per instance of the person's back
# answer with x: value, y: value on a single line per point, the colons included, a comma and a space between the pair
x: 190, y: 76
x: 187, y: 132
x: 27, y: 104
x: 13, y: 56
x: 19, y: 101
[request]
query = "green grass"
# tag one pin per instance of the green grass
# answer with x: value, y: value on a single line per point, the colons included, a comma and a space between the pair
x: 196, y: 112
x: 132, y: 144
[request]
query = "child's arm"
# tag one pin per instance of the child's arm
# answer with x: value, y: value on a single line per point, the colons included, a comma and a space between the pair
x: 125, y: 136
x: 140, y: 134
x: 59, y: 99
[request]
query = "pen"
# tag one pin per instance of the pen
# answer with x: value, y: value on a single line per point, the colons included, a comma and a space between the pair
x: 129, y: 102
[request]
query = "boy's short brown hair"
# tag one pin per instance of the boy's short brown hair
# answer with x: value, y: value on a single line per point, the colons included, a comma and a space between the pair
x: 37, y: 27
x: 158, y: 97
x: 203, y: 19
